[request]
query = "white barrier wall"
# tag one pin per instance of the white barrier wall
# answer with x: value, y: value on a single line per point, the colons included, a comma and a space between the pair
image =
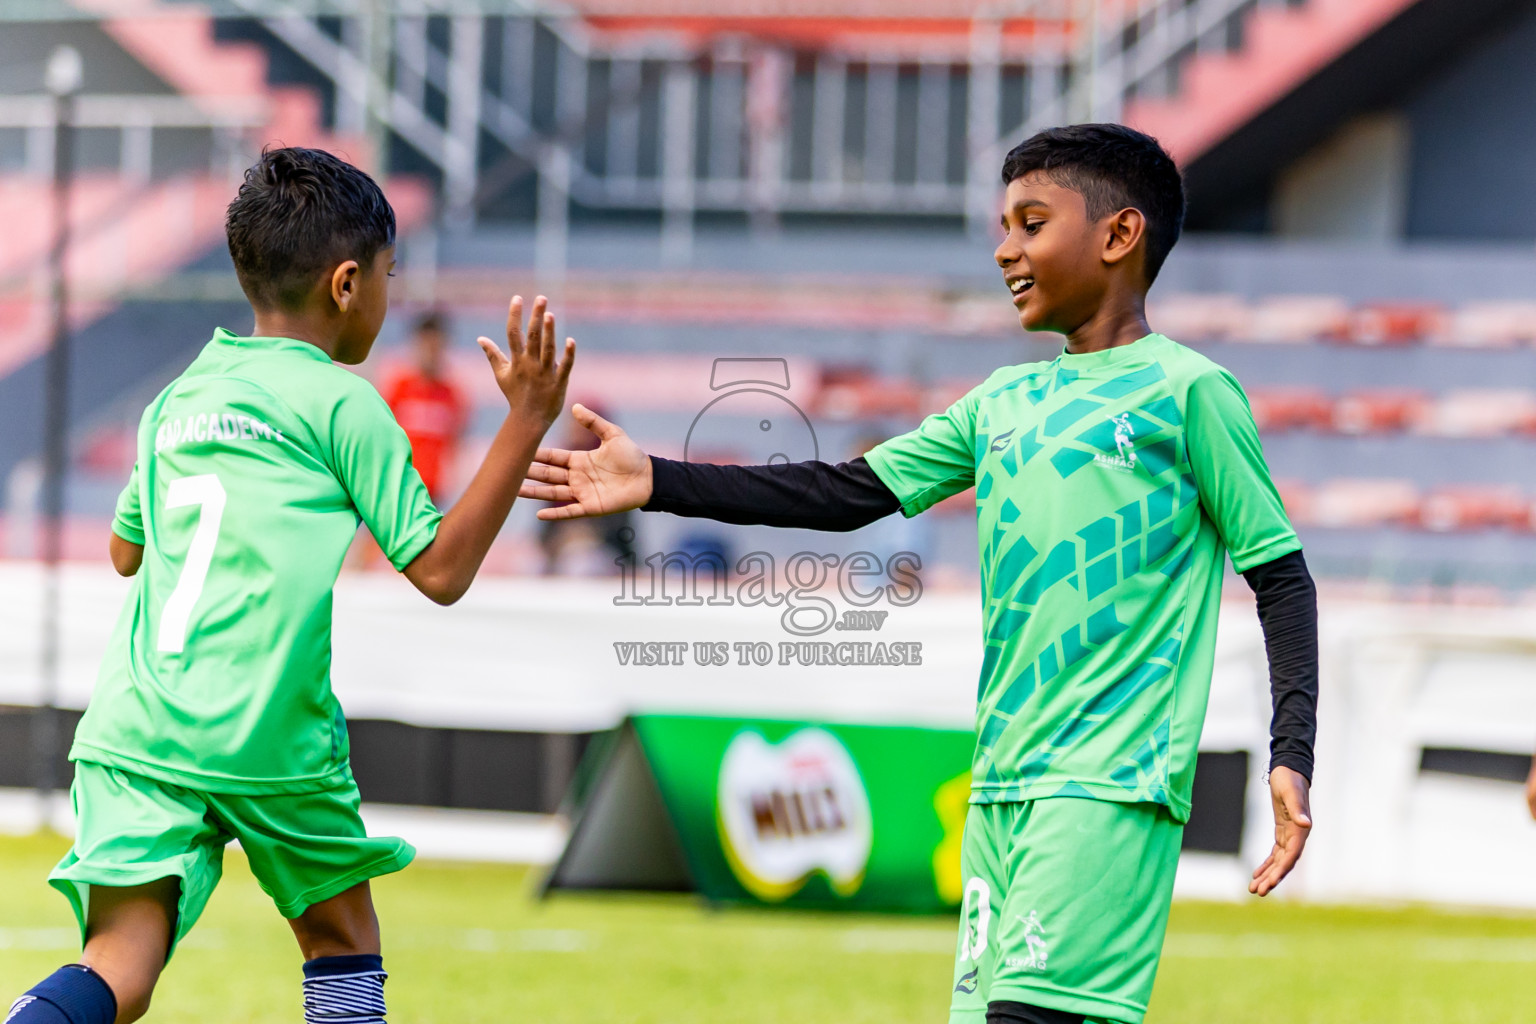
x: 540, y: 655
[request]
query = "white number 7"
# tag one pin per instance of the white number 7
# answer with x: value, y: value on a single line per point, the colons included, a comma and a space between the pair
x: 207, y: 492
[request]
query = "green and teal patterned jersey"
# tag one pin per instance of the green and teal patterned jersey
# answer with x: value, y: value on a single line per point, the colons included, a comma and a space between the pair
x: 1110, y: 487
x: 254, y: 469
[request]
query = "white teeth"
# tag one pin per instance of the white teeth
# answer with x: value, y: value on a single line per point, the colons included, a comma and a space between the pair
x: 1020, y: 284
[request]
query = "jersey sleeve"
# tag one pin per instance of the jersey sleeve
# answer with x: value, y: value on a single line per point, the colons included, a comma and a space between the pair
x: 371, y: 456
x: 1230, y: 473
x: 938, y: 459
x: 128, y: 520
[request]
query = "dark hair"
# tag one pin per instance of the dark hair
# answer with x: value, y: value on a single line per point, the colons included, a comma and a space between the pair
x: 1112, y: 167
x: 431, y: 322
x: 298, y: 213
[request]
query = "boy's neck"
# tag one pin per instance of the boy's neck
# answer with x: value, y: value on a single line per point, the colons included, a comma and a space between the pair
x: 1119, y: 321
x: 272, y: 323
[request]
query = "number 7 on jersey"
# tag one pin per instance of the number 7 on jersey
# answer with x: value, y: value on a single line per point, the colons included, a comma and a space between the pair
x: 206, y: 492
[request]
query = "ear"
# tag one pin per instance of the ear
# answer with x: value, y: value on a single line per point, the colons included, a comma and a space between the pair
x: 1124, y: 232
x: 344, y: 284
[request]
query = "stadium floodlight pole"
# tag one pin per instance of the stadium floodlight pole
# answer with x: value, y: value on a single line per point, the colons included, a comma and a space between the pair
x: 63, y: 81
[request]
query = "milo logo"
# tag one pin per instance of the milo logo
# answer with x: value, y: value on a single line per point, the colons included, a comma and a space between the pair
x: 790, y: 810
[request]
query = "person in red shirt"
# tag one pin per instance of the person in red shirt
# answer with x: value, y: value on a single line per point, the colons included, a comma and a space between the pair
x: 430, y: 408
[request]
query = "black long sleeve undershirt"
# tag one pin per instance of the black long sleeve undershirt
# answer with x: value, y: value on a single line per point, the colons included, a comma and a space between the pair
x: 821, y: 496
x: 810, y: 495
x: 1287, y: 601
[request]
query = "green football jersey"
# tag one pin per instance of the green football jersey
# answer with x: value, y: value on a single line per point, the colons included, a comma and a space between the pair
x: 1109, y: 488
x: 254, y: 468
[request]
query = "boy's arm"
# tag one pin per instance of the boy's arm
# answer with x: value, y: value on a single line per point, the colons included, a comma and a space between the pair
x: 1239, y: 497
x: 533, y: 383
x: 127, y: 545
x: 617, y: 476
x: 808, y: 495
x: 1287, y: 605
x: 126, y: 555
x: 909, y: 474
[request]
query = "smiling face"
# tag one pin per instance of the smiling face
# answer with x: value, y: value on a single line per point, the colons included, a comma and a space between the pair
x: 1052, y: 255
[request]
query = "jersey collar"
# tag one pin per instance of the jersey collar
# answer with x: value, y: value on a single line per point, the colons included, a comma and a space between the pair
x: 1107, y: 356
x: 223, y: 336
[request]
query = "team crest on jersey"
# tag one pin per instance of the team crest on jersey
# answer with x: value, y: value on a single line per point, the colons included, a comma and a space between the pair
x: 1124, y: 458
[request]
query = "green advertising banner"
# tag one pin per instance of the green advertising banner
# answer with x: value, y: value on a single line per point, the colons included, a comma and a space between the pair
x: 791, y: 813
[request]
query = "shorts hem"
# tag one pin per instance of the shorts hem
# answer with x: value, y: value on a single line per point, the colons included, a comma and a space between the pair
x: 218, y: 785
x: 69, y: 884
x: 396, y: 861
x: 1070, y: 1000
x: 1050, y: 789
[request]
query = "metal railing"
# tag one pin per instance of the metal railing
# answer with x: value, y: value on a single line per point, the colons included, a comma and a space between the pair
x: 522, y: 104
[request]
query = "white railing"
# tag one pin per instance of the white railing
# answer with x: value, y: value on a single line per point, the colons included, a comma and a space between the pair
x: 136, y: 118
x: 501, y: 95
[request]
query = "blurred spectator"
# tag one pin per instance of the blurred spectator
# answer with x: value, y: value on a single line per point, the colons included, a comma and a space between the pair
x: 1530, y: 789
x: 429, y: 406
x: 585, y: 547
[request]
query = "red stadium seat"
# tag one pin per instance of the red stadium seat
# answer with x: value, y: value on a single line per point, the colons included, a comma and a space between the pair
x: 1395, y: 323
x: 1478, y: 413
x: 1378, y: 412
x: 1490, y: 325
x: 1291, y: 409
x: 1457, y: 509
x: 1194, y: 318
x: 946, y: 393
x: 1364, y: 503
x: 1297, y: 497
x: 1299, y: 318
x: 862, y: 397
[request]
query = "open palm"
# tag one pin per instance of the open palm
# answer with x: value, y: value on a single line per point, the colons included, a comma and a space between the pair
x: 614, y: 477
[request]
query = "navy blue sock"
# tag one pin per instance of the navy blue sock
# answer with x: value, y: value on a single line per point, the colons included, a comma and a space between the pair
x: 70, y: 995
x: 344, y: 990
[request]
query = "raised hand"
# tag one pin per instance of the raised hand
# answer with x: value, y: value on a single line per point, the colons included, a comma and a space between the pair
x: 614, y: 477
x: 1293, y: 823
x: 528, y: 375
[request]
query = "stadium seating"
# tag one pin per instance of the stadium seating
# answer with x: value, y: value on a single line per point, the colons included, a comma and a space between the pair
x: 1284, y: 44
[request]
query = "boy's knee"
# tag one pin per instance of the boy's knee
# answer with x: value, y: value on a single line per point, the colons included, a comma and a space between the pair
x: 135, y: 1005
x: 343, y: 925
x: 131, y: 989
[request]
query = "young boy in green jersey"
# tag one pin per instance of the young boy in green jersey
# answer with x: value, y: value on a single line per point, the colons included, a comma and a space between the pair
x: 1111, y: 484
x: 213, y: 717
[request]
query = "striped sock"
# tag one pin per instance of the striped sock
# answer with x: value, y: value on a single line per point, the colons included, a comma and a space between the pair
x: 344, y: 990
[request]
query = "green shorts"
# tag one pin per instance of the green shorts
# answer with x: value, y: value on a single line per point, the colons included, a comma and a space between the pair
x: 303, y: 847
x: 1065, y: 906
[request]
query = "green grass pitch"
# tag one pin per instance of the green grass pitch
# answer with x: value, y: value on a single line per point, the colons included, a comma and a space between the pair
x: 468, y: 943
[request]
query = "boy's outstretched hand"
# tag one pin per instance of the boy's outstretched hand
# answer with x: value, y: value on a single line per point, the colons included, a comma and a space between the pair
x: 614, y: 477
x: 1293, y: 822
x: 530, y: 378
x: 534, y: 385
